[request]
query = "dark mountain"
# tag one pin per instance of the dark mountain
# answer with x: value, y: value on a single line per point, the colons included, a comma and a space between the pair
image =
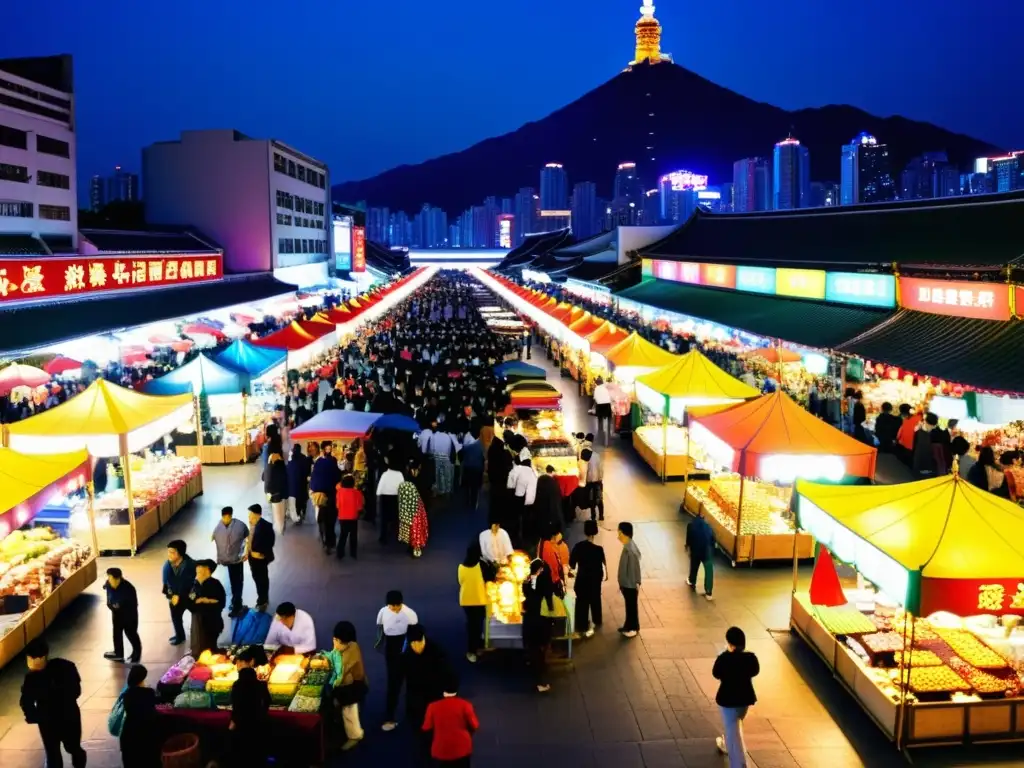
x: 663, y: 118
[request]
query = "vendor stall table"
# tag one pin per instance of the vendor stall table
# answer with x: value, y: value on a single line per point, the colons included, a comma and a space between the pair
x: 296, y: 738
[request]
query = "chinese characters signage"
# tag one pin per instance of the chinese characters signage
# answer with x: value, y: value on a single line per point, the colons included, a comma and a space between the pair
x: 856, y: 288
x: 755, y: 279
x: 800, y: 283
x: 718, y: 275
x: 358, y: 249
x: 984, y: 301
x: 31, y: 279
x: 969, y: 597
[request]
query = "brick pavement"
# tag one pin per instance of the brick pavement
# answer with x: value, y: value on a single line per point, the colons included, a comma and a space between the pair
x: 646, y: 702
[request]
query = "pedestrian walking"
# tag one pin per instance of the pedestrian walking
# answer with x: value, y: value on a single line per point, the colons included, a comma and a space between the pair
x: 700, y: 543
x: 735, y: 668
x: 138, y: 747
x: 413, y: 529
x: 250, y: 713
x: 123, y: 602
x: 179, y: 573
x: 629, y: 580
x: 588, y: 563
x: 49, y: 699
x: 472, y: 462
x: 349, y: 684
x: 393, y: 623
x: 539, y: 609
x: 349, y: 502
x: 594, y: 489
x: 387, y: 498
x: 206, y: 600
x: 299, y: 467
x: 451, y: 721
x: 323, y: 488
x: 603, y: 408
x: 230, y: 537
x: 473, y: 599
x: 275, y: 483
x: 260, y: 554
x: 424, y: 669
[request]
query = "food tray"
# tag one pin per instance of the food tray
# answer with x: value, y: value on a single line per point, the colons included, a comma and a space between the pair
x: 305, y: 704
x: 971, y: 649
x: 317, y: 677
x: 918, y: 657
x: 928, y: 681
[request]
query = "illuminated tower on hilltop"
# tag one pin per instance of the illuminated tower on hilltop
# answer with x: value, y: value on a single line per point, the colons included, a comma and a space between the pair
x: 648, y: 37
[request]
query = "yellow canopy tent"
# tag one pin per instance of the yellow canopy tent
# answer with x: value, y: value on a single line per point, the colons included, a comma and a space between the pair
x: 106, y: 420
x: 935, y: 544
x: 634, y: 356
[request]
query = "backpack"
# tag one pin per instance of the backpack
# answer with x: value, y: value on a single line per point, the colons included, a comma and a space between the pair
x: 251, y: 629
x: 115, y: 720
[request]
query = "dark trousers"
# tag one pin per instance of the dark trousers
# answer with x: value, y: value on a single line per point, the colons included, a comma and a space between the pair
x: 236, y: 575
x: 349, y: 532
x: 178, y: 619
x: 536, y: 639
x: 388, y: 518
x: 326, y: 515
x: 462, y: 762
x: 67, y: 731
x: 393, y: 645
x: 260, y: 571
x: 588, y: 604
x: 514, y: 524
x: 127, y: 626
x: 475, y: 615
x: 631, y: 597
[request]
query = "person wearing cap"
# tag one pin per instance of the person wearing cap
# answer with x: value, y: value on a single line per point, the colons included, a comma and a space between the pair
x: 452, y: 721
x: 292, y: 629
x: 206, y: 601
x: 230, y: 537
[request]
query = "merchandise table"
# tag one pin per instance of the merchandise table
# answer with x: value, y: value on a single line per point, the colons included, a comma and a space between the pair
x: 298, y: 735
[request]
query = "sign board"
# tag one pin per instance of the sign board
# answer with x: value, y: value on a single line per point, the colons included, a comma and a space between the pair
x: 718, y: 275
x: 342, y: 235
x: 755, y: 279
x: 800, y: 283
x: 358, y: 249
x: 34, y: 278
x: 862, y: 289
x: 956, y: 298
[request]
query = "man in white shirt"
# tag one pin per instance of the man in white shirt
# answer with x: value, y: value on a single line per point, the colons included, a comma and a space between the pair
x: 292, y: 629
x: 393, y: 622
x: 603, y: 408
x: 495, y: 544
x: 424, y: 440
x: 387, y: 499
x: 519, y: 480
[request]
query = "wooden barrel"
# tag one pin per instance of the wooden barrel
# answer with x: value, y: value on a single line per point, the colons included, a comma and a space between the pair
x: 181, y: 751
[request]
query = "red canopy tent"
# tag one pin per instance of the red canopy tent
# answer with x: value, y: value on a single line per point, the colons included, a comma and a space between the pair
x: 291, y: 337
x: 195, y: 329
x: 61, y: 364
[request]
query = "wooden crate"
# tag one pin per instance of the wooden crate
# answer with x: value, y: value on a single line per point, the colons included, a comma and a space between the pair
x: 12, y: 644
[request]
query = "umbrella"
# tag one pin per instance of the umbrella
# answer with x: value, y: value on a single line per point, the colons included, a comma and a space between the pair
x: 61, y: 364
x: 18, y: 375
x: 397, y: 421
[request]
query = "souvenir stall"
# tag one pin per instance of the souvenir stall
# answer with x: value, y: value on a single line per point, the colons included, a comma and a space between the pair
x: 929, y: 639
x: 43, y: 566
x: 664, y: 395
x: 196, y: 698
x: 756, y: 450
x: 504, y: 625
x: 148, y: 485
x: 231, y: 421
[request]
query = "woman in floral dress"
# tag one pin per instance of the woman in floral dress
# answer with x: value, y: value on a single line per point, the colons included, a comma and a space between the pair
x: 412, y: 518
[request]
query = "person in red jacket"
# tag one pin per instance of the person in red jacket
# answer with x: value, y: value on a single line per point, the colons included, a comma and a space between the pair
x: 349, y: 500
x: 453, y: 722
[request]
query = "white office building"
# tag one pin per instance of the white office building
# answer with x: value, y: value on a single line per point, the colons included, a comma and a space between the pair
x: 38, y: 201
x: 266, y: 204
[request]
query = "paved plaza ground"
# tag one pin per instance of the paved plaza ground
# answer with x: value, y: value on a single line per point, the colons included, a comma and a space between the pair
x: 623, y: 703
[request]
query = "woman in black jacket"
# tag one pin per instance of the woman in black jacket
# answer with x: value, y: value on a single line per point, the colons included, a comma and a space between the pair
x: 140, y: 746
x: 250, y: 705
x: 735, y: 670
x: 275, y: 482
x: 538, y: 599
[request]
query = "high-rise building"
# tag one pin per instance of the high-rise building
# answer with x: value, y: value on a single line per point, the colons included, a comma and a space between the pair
x: 97, y: 193
x: 865, y: 173
x: 824, y: 194
x: 506, y: 229
x: 399, y: 226
x: 652, y: 207
x: 266, y: 203
x: 378, y: 222
x: 524, y: 208
x: 507, y: 205
x: 791, y: 178
x: 928, y: 176
x: 122, y: 186
x: 627, y: 200
x: 751, y: 179
x: 648, y: 38
x: 976, y: 183
x: 676, y: 193
x: 1006, y: 172
x: 38, y: 198
x: 585, y: 213
x: 727, y: 204
x: 554, y: 188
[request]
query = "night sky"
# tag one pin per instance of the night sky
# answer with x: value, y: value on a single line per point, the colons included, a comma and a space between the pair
x: 369, y: 85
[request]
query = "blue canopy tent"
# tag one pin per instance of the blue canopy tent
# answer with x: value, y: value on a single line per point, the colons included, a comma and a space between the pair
x: 251, y: 360
x: 201, y: 375
x: 397, y: 421
x: 516, y: 370
x: 336, y: 425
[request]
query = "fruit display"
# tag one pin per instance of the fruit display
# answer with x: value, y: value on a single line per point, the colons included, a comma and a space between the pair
x: 505, y: 593
x: 544, y: 428
x: 971, y: 649
x: 154, y: 479
x: 765, y: 507
x: 882, y: 642
x: 673, y: 438
x: 985, y: 683
x: 844, y: 620
x: 927, y: 680
x: 918, y: 657
x: 563, y: 465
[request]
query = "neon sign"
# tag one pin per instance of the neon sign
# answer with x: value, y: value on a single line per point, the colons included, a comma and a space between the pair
x: 683, y: 180
x: 800, y: 283
x: 956, y: 298
x: 755, y: 279
x: 718, y: 275
x: 865, y: 290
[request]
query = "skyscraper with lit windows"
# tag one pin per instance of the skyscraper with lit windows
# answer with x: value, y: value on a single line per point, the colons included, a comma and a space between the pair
x: 752, y: 184
x: 791, y: 180
x: 866, y: 176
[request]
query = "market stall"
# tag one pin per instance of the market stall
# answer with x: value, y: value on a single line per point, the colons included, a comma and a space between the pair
x: 515, y: 371
x: 635, y: 356
x: 231, y: 420
x: 504, y: 625
x: 664, y: 395
x: 197, y: 699
x: 600, y: 342
x: 929, y: 640
x: 756, y: 450
x: 148, y: 486
x: 335, y: 425
x: 43, y: 566
x: 551, y: 444
x: 300, y: 345
x: 533, y: 394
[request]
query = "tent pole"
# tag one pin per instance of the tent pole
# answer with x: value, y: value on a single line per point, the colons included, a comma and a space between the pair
x: 91, y: 511
x: 686, y: 463
x: 199, y: 428
x: 664, y: 442
x: 245, y: 429
x: 739, y: 522
x: 126, y: 468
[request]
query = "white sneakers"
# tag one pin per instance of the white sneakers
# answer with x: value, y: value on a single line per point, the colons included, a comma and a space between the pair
x: 471, y: 658
x: 389, y: 726
x: 720, y: 743
x: 630, y: 633
x: 589, y: 632
x: 708, y: 597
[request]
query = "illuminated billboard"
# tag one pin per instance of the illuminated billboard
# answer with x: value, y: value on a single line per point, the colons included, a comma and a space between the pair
x: 358, y: 249
x: 683, y: 180
x: 342, y: 243
x: 505, y: 230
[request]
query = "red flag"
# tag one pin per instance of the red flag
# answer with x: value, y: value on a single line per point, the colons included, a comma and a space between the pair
x: 825, y: 587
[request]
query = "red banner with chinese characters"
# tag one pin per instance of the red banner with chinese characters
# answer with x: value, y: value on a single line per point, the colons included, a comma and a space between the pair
x: 34, y: 278
x: 970, y: 597
x: 358, y: 249
x: 957, y: 298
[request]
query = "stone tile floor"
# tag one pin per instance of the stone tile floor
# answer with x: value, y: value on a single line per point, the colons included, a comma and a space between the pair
x: 646, y: 702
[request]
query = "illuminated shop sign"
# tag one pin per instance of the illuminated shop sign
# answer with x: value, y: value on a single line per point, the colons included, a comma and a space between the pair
x: 358, y: 249
x: 866, y: 290
x: 683, y: 180
x: 718, y: 275
x: 31, y: 279
x: 957, y: 298
x: 755, y: 279
x: 342, y: 243
x: 800, y: 283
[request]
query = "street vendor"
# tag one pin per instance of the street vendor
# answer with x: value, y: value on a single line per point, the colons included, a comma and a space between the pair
x: 292, y: 630
x: 206, y: 600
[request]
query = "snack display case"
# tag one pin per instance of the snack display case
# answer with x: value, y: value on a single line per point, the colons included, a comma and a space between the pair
x: 664, y: 449
x: 504, y: 625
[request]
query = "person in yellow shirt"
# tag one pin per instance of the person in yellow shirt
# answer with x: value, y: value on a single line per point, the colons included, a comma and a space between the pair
x: 473, y: 599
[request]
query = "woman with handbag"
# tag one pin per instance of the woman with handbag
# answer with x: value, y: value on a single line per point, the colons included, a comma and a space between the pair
x: 350, y: 686
x: 139, y: 722
x: 540, y: 605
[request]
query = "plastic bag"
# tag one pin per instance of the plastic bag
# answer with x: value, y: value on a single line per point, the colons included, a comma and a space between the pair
x: 115, y: 720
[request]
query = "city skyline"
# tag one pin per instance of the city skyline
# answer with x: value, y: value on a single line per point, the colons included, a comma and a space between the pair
x: 192, y: 86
